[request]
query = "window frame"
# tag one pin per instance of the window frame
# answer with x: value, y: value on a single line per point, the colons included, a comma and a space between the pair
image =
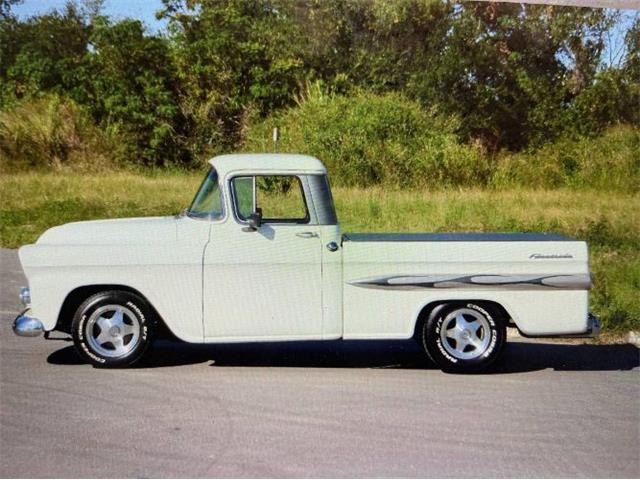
x: 271, y: 221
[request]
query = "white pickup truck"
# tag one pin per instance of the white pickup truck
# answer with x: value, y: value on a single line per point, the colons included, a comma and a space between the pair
x: 259, y: 256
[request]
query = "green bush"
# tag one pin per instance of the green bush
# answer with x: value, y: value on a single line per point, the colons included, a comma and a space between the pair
x: 369, y: 139
x: 52, y: 132
x: 609, y: 162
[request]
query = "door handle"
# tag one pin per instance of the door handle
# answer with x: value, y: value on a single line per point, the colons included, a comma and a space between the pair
x: 306, y: 234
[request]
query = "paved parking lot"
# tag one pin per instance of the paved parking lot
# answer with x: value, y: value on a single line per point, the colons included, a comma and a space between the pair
x: 313, y: 409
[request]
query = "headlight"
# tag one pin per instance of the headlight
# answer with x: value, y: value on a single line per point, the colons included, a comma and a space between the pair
x: 25, y: 296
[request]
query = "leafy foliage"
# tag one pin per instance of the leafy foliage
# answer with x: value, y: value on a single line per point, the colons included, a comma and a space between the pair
x: 233, y: 58
x: 513, y: 76
x: 609, y: 162
x: 43, y: 54
x: 133, y: 90
x: 368, y: 139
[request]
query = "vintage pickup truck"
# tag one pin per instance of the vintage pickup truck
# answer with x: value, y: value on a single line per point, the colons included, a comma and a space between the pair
x: 259, y: 256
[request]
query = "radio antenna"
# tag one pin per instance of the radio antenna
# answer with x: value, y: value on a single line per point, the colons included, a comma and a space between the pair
x: 276, y: 137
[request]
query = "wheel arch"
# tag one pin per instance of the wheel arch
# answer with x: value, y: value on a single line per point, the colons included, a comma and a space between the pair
x: 432, y: 308
x: 78, y: 295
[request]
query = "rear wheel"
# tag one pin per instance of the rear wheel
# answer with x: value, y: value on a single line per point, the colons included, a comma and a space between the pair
x: 464, y: 337
x: 113, y: 328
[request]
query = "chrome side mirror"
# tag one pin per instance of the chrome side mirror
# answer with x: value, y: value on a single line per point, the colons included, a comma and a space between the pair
x: 255, y: 220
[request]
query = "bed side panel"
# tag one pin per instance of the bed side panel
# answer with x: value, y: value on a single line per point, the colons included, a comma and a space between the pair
x: 542, y: 285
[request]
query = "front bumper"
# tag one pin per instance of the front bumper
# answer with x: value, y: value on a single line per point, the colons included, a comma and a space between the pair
x: 27, y: 326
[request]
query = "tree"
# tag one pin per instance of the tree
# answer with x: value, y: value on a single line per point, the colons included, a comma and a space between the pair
x: 5, y: 8
x: 375, y: 45
x: 514, y: 75
x: 510, y: 71
x: 44, y: 53
x: 233, y: 58
x: 133, y: 89
x: 614, y: 95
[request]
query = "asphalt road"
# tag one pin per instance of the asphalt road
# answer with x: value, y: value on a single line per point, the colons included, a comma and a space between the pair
x: 343, y: 409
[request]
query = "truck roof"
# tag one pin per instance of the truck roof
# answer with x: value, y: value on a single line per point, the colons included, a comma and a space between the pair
x: 267, y: 162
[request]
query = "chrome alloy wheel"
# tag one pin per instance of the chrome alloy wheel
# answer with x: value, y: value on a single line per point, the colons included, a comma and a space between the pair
x: 465, y: 334
x: 112, y: 331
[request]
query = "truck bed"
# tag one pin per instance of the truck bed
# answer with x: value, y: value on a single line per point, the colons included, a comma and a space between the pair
x: 542, y: 280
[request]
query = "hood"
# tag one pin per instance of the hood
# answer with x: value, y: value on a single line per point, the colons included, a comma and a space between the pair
x: 118, y: 231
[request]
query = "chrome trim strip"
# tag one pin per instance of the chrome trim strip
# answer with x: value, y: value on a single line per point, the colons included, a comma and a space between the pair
x: 523, y: 282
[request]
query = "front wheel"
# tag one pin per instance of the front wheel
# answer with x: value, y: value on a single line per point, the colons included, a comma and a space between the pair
x: 113, y: 328
x: 464, y: 337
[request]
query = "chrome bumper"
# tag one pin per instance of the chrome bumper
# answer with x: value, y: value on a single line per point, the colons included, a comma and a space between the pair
x: 593, y: 330
x: 593, y: 326
x: 26, y: 326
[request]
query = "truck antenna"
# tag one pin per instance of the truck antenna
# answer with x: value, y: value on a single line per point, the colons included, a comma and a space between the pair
x: 276, y: 137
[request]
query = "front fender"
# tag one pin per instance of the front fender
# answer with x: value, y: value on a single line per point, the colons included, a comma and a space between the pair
x: 169, y: 277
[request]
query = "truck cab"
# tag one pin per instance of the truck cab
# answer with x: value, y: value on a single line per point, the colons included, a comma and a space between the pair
x: 274, y: 249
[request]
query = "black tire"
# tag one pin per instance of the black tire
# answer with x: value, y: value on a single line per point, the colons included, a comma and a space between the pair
x: 131, y: 329
x: 479, y: 346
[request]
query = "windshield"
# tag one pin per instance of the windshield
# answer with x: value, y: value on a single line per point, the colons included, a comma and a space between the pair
x: 208, y: 201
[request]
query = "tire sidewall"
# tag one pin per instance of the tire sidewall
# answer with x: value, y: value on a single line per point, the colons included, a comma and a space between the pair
x: 135, y: 304
x: 435, y: 349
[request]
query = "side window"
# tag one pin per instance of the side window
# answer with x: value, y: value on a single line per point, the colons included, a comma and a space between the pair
x: 279, y: 197
x: 243, y: 190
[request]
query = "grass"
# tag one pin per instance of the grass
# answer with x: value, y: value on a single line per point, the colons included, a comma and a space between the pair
x: 610, y: 221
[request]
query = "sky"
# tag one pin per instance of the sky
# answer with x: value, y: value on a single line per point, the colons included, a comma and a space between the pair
x: 144, y: 10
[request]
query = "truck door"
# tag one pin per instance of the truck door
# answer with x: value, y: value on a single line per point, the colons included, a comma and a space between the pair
x: 264, y: 283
